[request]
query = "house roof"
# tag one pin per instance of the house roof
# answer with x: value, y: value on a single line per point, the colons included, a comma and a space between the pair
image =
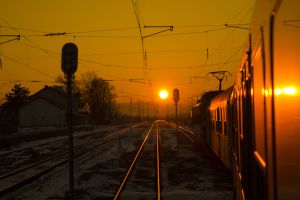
x: 55, y: 89
x: 54, y: 95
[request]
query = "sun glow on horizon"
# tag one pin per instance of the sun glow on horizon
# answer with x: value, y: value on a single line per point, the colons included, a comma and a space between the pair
x: 163, y: 94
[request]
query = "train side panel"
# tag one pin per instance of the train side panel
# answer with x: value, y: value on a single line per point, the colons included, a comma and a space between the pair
x: 252, y: 167
x: 267, y: 102
x: 286, y: 95
x: 220, y: 139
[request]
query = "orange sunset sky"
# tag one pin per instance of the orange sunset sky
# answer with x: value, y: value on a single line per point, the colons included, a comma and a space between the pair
x: 109, y: 42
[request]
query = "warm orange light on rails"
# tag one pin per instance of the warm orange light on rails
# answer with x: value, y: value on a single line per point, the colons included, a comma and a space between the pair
x: 163, y: 94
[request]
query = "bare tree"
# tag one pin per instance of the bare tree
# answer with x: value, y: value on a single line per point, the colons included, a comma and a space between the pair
x: 99, y: 94
x: 62, y: 80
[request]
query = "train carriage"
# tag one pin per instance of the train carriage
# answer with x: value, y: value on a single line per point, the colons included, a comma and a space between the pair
x: 267, y: 105
x: 260, y: 116
x: 220, y: 134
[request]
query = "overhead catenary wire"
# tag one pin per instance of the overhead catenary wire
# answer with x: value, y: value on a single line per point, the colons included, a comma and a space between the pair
x: 73, y: 33
x: 121, y: 66
x: 27, y: 66
x: 132, y: 94
x: 245, y: 9
x: 83, y: 33
x: 136, y: 13
x: 44, y: 33
x: 131, y: 67
x: 33, y: 45
x: 27, y: 81
x: 26, y: 38
x: 240, y: 11
x: 55, y: 54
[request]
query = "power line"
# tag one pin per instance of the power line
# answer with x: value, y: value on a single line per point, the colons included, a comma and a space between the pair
x: 14, y: 75
x: 26, y: 65
x: 24, y: 29
x: 29, y: 81
x: 41, y: 49
x: 144, y: 56
x: 196, y: 66
x: 136, y: 67
x: 240, y: 11
x: 133, y: 94
x: 191, y: 33
x: 15, y: 37
x: 156, y: 52
x: 103, y: 36
x: 70, y: 32
x: 75, y: 34
x: 106, y: 30
x: 109, y: 65
x: 81, y: 59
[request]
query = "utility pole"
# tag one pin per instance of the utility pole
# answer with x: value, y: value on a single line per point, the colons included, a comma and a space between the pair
x: 220, y: 75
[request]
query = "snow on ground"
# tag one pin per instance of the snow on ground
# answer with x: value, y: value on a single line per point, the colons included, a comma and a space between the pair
x: 29, y: 151
x: 191, y: 172
x: 187, y: 172
x: 42, y: 130
x: 94, y: 174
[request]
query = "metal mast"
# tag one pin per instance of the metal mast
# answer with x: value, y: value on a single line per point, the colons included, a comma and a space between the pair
x: 220, y: 75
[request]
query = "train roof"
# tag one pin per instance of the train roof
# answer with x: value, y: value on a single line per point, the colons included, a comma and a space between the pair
x: 206, y: 98
x: 222, y: 97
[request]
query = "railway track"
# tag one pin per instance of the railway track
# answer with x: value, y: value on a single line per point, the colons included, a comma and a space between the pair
x: 188, y: 133
x: 20, y: 156
x: 148, y: 157
x: 144, y: 171
x: 17, y: 178
x: 133, y: 164
x: 148, y: 163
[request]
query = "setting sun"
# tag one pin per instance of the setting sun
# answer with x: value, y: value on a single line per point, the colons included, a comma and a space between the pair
x: 163, y: 94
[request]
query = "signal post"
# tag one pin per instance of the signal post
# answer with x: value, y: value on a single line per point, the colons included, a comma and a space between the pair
x: 69, y: 61
x: 176, y: 99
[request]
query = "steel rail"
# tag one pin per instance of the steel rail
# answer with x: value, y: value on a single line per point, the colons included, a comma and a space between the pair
x: 59, y: 155
x: 46, y: 143
x: 117, y: 195
x: 157, y: 163
x: 79, y: 151
x: 188, y: 133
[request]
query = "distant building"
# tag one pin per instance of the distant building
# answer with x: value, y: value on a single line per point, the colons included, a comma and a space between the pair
x: 48, y: 107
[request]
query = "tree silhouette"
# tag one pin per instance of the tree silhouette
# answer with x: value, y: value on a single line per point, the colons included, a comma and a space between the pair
x: 62, y: 80
x: 14, y: 100
x: 99, y: 94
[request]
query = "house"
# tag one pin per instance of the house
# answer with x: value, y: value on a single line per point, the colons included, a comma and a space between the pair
x: 48, y: 107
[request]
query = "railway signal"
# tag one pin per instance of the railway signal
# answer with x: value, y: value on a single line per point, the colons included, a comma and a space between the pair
x: 69, y: 61
x: 176, y: 99
x: 176, y: 95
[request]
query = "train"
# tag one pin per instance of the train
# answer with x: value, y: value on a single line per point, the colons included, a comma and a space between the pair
x: 254, y: 126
